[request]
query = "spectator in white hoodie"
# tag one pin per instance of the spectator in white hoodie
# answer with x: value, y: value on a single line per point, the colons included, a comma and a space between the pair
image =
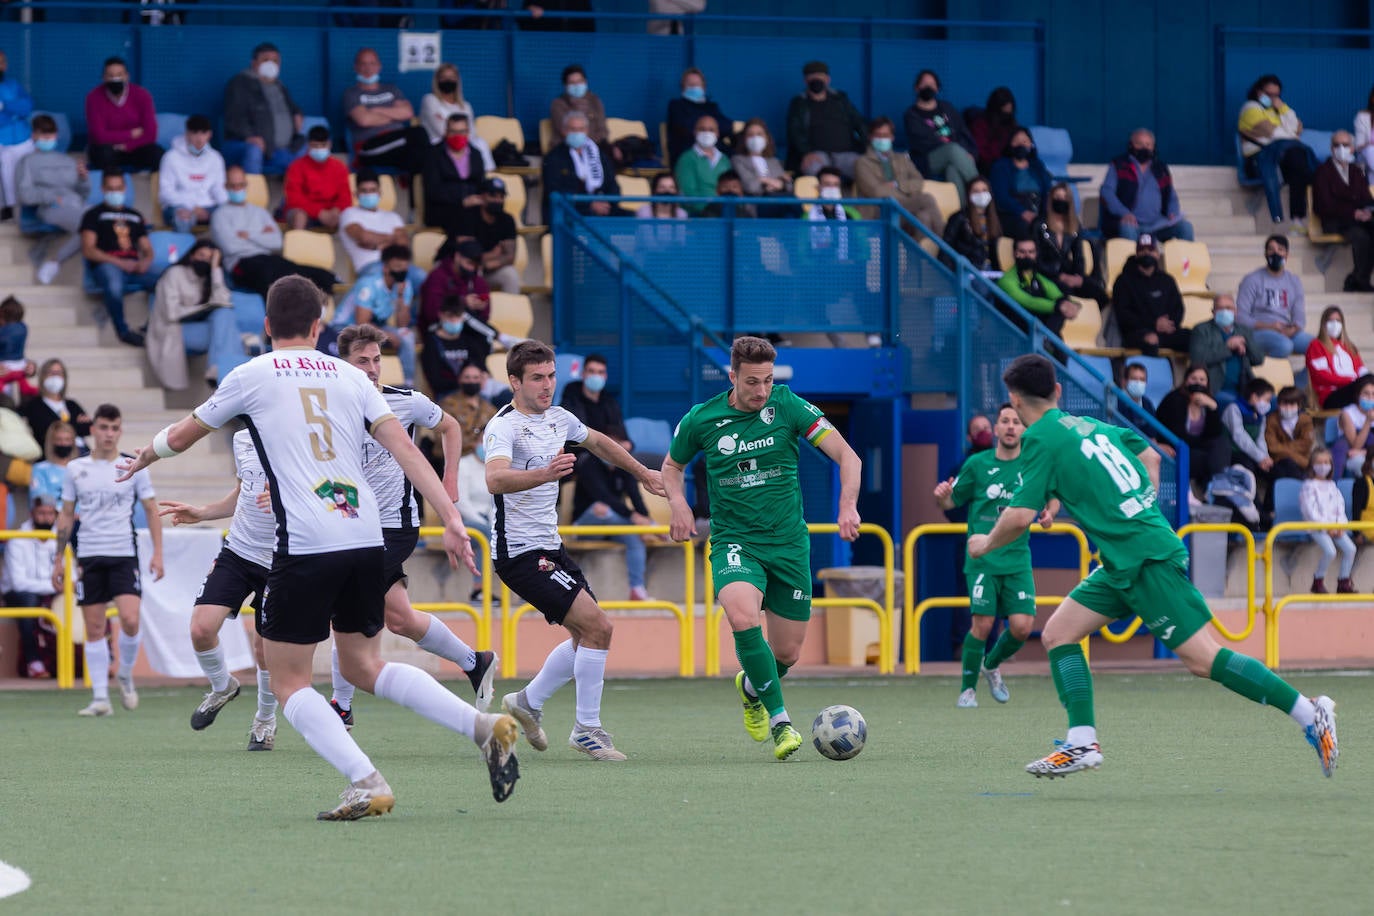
x: 191, y: 177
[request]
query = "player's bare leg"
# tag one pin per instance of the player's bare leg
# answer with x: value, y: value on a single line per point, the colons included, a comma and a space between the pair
x: 433, y: 635
x: 591, y: 633
x: 206, y: 621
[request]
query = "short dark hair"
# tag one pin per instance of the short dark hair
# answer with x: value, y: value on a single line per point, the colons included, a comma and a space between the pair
x: 881, y: 121
x: 456, y: 117
x: 366, y: 175
x: 107, y: 412
x: 1258, y: 387
x: 1259, y: 84
x: 198, y: 123
x: 1031, y: 376
x: 1292, y: 394
x: 394, y: 252
x: 527, y: 353
x: 452, y: 305
x: 570, y: 69
x: 728, y: 175
x: 111, y: 61
x: 1126, y: 373
x: 293, y: 305
x: 1280, y: 240
x: 1005, y: 405
x: 358, y: 335
x: 752, y: 350
x: 11, y: 310
x: 594, y: 358
x: 43, y: 124
x: 265, y: 48
x: 830, y: 170
x: 318, y: 134
x: 932, y: 74
x: 109, y: 175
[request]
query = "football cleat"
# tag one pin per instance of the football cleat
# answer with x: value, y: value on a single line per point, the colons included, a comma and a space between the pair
x: 1321, y: 734
x: 263, y: 735
x: 345, y: 714
x: 594, y: 741
x: 967, y: 700
x: 1000, y: 693
x: 1067, y: 759
x: 369, y: 797
x: 755, y: 716
x: 482, y: 675
x: 786, y: 740
x: 516, y: 705
x: 128, y: 696
x: 498, y: 750
x: 96, y: 708
x: 214, y: 701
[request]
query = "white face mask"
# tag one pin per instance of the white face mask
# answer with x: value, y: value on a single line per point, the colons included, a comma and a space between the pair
x: 756, y: 143
x: 831, y: 194
x: 1288, y: 413
x: 706, y: 139
x: 1321, y: 470
x: 269, y: 69
x: 980, y: 199
x: 54, y: 384
x: 1343, y: 154
x: 1334, y: 328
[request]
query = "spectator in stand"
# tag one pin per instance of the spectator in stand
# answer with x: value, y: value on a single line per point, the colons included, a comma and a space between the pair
x: 1020, y: 185
x: 607, y: 495
x: 191, y: 177
x: 590, y: 402
x: 882, y: 173
x: 1135, y: 380
x: 992, y: 128
x: 445, y: 98
x: 263, y: 126
x: 121, y: 123
x: 457, y: 340
x: 53, y: 405
x: 1061, y: 249
x: 823, y: 126
x: 1321, y: 501
x: 1226, y: 348
x: 453, y: 173
x: 191, y: 292
x: 383, y: 298
x: 540, y: 21
x: 1333, y: 363
x: 455, y: 276
x: 380, y: 115
x: 466, y: 405
x: 1190, y: 413
x: 578, y: 97
x: 1340, y: 195
x: 1035, y: 292
x: 1245, y: 420
x: 60, y: 446
x: 15, y: 139
x: 578, y: 166
x: 1364, y: 138
x: 760, y: 171
x: 251, y: 242
x: 1148, y: 305
x: 366, y: 229
x: 941, y: 145
x: 494, y: 229
x: 700, y: 167
x: 1270, y: 300
x: 14, y: 335
x: 1356, y: 421
x: 730, y: 185
x: 57, y: 186
x: 316, y: 192
x: 27, y: 579
x: 973, y: 231
x: 1269, y: 132
x: 664, y: 185
x: 1138, y: 194
x: 687, y: 110
x: 1288, y: 435
x: 119, y: 257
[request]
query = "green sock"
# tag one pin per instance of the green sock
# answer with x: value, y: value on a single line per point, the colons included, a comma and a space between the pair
x: 782, y: 669
x: 973, y: 657
x: 1005, y: 647
x: 1074, y: 682
x: 1251, y: 679
x: 756, y: 658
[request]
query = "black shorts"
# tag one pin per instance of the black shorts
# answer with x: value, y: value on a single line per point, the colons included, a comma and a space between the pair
x: 104, y: 578
x: 231, y: 581
x: 399, y: 544
x: 547, y: 579
x: 306, y: 594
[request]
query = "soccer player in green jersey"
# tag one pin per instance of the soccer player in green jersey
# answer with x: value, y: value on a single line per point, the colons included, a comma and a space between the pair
x: 1107, y: 478
x: 760, y: 547
x: 1000, y: 585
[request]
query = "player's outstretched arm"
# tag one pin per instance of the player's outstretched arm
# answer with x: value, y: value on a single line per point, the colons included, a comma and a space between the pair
x: 502, y: 478
x: 65, y: 519
x: 186, y: 514
x: 451, y: 440
x: 851, y: 470
x: 612, y: 451
x: 155, y: 532
x: 173, y: 440
x: 1150, y: 458
x: 393, y: 438
x: 682, y: 525
x: 1011, y: 524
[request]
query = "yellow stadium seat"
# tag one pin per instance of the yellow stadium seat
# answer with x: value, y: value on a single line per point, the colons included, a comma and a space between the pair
x: 1082, y: 332
x: 616, y: 128
x: 1005, y: 258
x: 424, y: 246
x: 946, y: 196
x: 496, y: 365
x: 807, y: 187
x: 391, y: 371
x: 522, y: 255
x: 1118, y: 250
x: 1196, y: 310
x: 387, y: 186
x: 493, y: 129
x: 258, y: 194
x: 515, y: 197
x: 315, y: 249
x: 1278, y: 371
x: 1189, y: 263
x: 546, y: 255
x: 633, y: 186
x: 511, y: 313
x: 1315, y: 233
x: 546, y: 141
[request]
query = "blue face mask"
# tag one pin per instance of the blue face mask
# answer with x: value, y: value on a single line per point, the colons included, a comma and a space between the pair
x: 1366, y: 405
x: 575, y: 90
x: 319, y: 154
x: 452, y: 327
x: 882, y: 144
x: 370, y: 201
x: 594, y: 383
x: 45, y: 146
x: 239, y: 196
x: 1225, y: 318
x: 1136, y: 388
x: 114, y: 199
x: 694, y: 94
x: 369, y: 79
x: 577, y: 139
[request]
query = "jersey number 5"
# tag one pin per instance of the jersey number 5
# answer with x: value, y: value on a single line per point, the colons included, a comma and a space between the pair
x: 314, y: 401
x: 1124, y: 474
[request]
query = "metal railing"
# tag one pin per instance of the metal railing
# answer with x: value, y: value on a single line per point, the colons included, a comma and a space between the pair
x: 60, y: 617
x: 1273, y: 608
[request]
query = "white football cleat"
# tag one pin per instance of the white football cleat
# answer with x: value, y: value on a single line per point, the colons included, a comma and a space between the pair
x: 967, y: 700
x: 1067, y: 759
x: 1000, y: 693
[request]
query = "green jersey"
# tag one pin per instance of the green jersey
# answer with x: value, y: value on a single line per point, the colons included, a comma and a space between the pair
x: 751, y: 464
x: 1092, y: 468
x: 987, y: 484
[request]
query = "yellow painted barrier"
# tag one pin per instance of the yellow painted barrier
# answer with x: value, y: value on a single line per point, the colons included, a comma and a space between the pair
x: 481, y: 614
x: 59, y: 616
x: 887, y: 648
x: 1272, y: 608
x: 684, y: 612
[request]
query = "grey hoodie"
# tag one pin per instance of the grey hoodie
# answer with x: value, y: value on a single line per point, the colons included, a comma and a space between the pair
x: 44, y: 179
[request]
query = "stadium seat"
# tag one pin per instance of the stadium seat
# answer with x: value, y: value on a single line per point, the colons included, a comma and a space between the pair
x: 522, y: 255
x: 1118, y: 250
x: 946, y: 196
x: 511, y: 313
x: 1332, y: 431
x: 310, y: 121
x: 546, y: 136
x: 1243, y: 176
x: 387, y: 185
x: 652, y: 437
x: 546, y: 255
x: 30, y: 224
x: 64, y: 128
x: 424, y: 245
x: 1277, y: 370
x: 168, y: 247
x: 1316, y: 233
x: 1189, y: 263
x: 807, y: 187
x: 616, y: 128
x: 1054, y: 147
x: 1005, y: 249
x: 633, y: 186
x: 496, y: 368
x: 1287, y: 507
x: 1319, y: 142
x: 392, y: 373
x: 315, y: 249
x: 569, y: 369
x: 1083, y: 331
x: 663, y: 142
x: 249, y: 311
x: 169, y: 126
x: 1196, y: 310
x: 493, y: 129
x: 1160, y: 373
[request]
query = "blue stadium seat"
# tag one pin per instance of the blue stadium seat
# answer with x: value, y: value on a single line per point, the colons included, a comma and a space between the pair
x: 168, y: 247
x: 1333, y: 430
x: 310, y: 121
x: 1054, y: 146
x: 249, y: 311
x: 1244, y: 178
x: 169, y: 125
x: 1287, y: 508
x: 1160, y: 380
x: 569, y: 369
x: 64, y: 128
x: 1319, y: 142
x: 652, y: 437
x: 30, y: 224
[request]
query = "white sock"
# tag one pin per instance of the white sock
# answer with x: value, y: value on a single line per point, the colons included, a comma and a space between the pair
x: 212, y: 663
x: 309, y: 713
x: 267, y: 700
x: 128, y: 654
x: 441, y: 641
x: 1303, y: 712
x: 343, y: 691
x: 557, y: 671
x: 781, y: 716
x: 98, y: 667
x: 589, y: 670
x: 1081, y: 735
x: 408, y: 686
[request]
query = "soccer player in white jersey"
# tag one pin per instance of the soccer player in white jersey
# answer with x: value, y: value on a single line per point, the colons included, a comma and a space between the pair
x: 361, y: 345
x: 107, y: 555
x: 307, y: 413
x: 525, y: 461
x: 239, y: 574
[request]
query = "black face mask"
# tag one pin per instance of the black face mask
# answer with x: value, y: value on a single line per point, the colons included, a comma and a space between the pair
x: 816, y: 85
x: 1006, y: 117
x: 1142, y: 154
x: 1059, y: 206
x: 1022, y: 153
x: 1197, y: 389
x: 202, y: 268
x: 398, y: 276
x: 729, y: 194
x: 494, y: 208
x: 63, y: 451
x: 1146, y: 260
x: 1275, y: 262
x: 926, y: 93
x: 1026, y: 265
x: 114, y: 87
x: 447, y: 87
x: 470, y: 388
x: 466, y: 274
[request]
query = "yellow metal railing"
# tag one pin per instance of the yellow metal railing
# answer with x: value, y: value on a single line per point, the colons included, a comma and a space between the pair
x: 684, y: 612
x: 60, y: 616
x: 480, y: 614
x: 1272, y: 608
x: 887, y: 647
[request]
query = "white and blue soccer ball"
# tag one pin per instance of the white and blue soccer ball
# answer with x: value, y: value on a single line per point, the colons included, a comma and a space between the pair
x: 839, y: 732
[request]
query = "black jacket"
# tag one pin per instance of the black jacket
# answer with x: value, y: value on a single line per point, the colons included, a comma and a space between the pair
x: 559, y: 174
x: 445, y: 190
x: 1053, y: 259
x: 602, y: 415
x: 1139, y: 300
x: 599, y: 483
x: 246, y: 112
x: 959, y: 236
x: 925, y: 137
x: 40, y: 417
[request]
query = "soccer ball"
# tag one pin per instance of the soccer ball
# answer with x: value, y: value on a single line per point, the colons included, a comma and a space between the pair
x: 839, y: 732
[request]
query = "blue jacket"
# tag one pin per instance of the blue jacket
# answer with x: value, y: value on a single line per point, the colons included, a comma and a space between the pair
x: 14, y: 115
x: 1002, y: 181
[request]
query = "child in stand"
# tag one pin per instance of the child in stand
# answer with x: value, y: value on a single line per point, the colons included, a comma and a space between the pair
x: 15, y: 370
x: 1321, y: 501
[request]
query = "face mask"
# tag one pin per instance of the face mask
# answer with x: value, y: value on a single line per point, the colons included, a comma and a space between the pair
x: 1021, y: 153
x: 398, y: 276
x: 816, y: 85
x: 1147, y: 261
x: 756, y: 143
x: 1262, y: 408
x: 370, y: 201
x: 238, y: 196
x: 594, y: 383
x: 114, y: 199
x: 1265, y: 101
x: 63, y: 451
x: 926, y: 93
x: 457, y: 142
x: 1343, y: 154
x: 1366, y: 404
x: 269, y: 69
x: 1025, y: 265
x: 883, y: 144
x: 369, y: 79
x: 706, y: 139
x: 319, y: 154
x: 481, y: 450
x: 448, y: 87
x: 1136, y: 388
x: 576, y: 90
x: 665, y: 192
x: 452, y: 327
x: 1288, y: 413
x: 694, y: 94
x: 1197, y: 389
x: 114, y: 87
x: 1334, y: 328
x: 831, y: 194
x: 982, y: 440
x: 46, y: 145
x: 1321, y: 470
x: 1275, y: 262
x: 1059, y: 206
x: 54, y: 384
x: 195, y: 150
x: 467, y: 273
x: 1142, y: 154
x: 1225, y: 318
x: 201, y: 268
x: 469, y: 389
x: 577, y: 139
x: 494, y: 207
x: 980, y: 199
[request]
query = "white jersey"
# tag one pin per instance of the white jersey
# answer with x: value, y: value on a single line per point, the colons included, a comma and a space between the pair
x: 395, y: 496
x: 528, y: 520
x: 308, y: 413
x: 253, y: 531
x: 106, y: 508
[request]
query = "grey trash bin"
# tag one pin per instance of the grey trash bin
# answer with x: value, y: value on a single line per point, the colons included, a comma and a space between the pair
x: 1208, y: 548
x: 850, y: 631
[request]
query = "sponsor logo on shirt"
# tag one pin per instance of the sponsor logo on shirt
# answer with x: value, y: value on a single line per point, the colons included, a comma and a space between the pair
x: 729, y: 445
x: 341, y: 497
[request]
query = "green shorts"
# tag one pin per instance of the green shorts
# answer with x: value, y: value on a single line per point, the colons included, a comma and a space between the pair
x: 994, y: 595
x: 1159, y: 591
x: 783, y: 574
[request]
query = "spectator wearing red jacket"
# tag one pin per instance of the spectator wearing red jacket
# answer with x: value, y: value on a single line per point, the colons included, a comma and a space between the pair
x: 1333, y: 363
x: 316, y: 186
x: 455, y: 275
x: 122, y: 123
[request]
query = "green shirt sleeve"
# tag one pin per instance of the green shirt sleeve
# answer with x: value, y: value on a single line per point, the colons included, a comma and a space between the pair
x: 1011, y: 285
x: 964, y: 484
x: 684, y: 447
x: 1037, y: 476
x: 1133, y: 442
